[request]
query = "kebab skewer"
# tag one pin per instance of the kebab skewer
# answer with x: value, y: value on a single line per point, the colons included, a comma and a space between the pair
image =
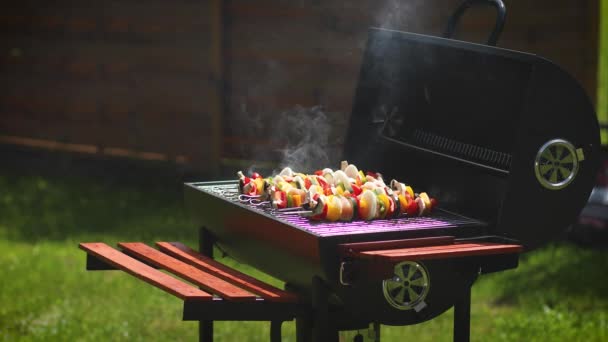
x: 345, y: 194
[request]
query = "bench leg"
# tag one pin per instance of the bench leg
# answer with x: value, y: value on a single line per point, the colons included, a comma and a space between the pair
x: 205, y: 331
x: 303, y: 329
x: 205, y: 247
x: 275, y: 331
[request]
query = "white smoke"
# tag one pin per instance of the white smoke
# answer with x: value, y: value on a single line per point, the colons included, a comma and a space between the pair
x: 306, y: 132
x: 403, y: 15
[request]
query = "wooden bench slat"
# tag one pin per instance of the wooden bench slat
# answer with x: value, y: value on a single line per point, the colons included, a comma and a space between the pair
x: 441, y: 252
x: 190, y: 256
x: 145, y: 272
x: 207, y: 281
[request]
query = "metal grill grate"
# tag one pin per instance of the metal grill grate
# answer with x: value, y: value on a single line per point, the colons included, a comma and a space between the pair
x: 439, y: 219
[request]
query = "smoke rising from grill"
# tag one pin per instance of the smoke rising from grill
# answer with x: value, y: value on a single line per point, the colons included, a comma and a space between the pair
x: 306, y: 132
x: 399, y: 15
x: 303, y: 138
x: 307, y: 138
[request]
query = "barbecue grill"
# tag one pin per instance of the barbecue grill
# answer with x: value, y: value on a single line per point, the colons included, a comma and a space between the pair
x: 506, y: 141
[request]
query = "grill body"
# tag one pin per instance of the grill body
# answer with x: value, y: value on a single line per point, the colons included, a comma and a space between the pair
x: 294, y: 247
x: 296, y: 250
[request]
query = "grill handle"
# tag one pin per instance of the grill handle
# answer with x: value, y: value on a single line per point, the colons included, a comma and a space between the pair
x: 501, y: 14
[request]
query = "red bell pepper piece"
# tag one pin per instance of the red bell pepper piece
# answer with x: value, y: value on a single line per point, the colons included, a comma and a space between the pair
x: 280, y: 199
x: 373, y: 174
x: 356, y: 189
x: 322, y: 215
x: 322, y: 182
x: 307, y: 183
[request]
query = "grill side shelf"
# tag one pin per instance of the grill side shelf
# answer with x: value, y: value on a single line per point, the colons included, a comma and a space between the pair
x: 458, y: 249
x: 355, y: 249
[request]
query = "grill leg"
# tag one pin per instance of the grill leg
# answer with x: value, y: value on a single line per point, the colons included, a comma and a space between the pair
x: 322, y: 329
x: 205, y: 247
x: 303, y: 329
x: 462, y: 317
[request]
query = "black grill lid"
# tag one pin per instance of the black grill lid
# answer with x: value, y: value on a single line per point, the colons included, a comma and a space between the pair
x: 479, y: 127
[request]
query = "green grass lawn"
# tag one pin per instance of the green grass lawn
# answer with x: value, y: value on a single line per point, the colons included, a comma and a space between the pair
x: 559, y: 293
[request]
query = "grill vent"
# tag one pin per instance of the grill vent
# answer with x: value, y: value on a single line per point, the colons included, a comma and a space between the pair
x: 462, y: 150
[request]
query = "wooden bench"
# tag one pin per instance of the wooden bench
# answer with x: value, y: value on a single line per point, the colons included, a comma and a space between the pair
x: 224, y: 294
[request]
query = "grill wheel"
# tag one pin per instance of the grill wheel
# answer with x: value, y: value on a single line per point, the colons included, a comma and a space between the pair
x: 409, y: 286
x: 556, y: 164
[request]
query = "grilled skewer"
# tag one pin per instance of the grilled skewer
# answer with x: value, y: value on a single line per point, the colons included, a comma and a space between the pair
x: 344, y: 195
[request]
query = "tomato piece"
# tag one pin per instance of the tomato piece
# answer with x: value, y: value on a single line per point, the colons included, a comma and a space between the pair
x: 250, y: 189
x: 319, y: 172
x: 403, y: 202
x: 433, y: 203
x: 391, y: 207
x: 255, y: 175
x: 412, y: 208
x: 327, y: 191
x: 356, y: 189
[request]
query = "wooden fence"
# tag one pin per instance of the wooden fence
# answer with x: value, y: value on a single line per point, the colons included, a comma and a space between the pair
x: 202, y: 83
